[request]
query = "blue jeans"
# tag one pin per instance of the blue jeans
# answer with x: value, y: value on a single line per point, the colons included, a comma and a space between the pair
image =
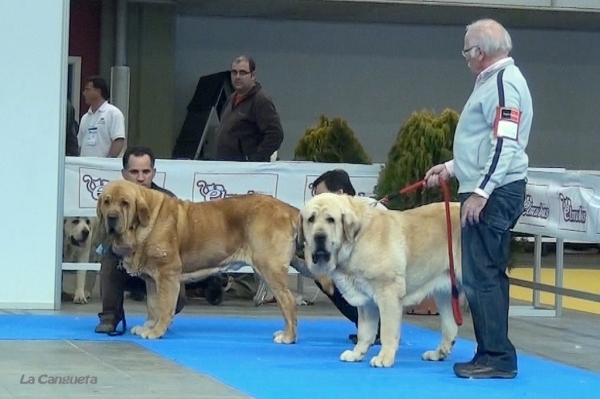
x: 485, y: 255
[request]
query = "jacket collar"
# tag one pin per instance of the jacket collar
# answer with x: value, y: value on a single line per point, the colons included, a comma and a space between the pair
x: 492, y: 69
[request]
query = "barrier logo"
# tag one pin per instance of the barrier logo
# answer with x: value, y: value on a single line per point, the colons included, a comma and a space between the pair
x: 570, y: 214
x: 94, y: 186
x: 211, y: 191
x: 541, y: 211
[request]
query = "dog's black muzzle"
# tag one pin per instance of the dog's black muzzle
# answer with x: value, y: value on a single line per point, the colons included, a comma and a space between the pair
x: 112, y: 222
x: 321, y: 253
x: 319, y: 256
x: 84, y: 236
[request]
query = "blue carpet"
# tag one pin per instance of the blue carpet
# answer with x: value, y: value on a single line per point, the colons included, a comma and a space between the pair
x: 240, y: 353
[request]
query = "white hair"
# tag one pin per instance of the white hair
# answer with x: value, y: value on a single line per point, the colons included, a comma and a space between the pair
x: 490, y: 36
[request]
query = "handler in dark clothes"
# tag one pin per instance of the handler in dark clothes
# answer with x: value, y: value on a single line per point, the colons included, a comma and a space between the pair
x: 138, y: 167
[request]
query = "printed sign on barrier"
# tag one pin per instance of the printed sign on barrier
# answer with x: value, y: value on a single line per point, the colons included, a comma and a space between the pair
x: 213, y: 186
x: 536, y: 210
x: 573, y: 208
x: 92, y: 181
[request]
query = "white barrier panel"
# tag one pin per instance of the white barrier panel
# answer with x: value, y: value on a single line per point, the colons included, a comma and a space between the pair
x: 563, y: 204
x: 199, y: 181
x: 559, y: 203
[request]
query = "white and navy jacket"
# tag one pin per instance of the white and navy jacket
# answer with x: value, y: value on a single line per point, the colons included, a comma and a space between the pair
x: 483, y: 161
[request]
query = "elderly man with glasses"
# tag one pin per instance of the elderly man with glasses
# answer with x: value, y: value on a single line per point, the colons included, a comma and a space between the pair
x: 490, y: 163
x: 250, y: 128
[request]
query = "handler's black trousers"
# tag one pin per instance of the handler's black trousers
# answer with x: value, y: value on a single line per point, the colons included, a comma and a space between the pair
x: 341, y: 304
x: 485, y: 258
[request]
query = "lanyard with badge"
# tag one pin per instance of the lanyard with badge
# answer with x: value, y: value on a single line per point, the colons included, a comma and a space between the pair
x: 92, y: 136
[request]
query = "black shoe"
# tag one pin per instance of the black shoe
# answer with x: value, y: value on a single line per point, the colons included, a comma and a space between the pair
x: 480, y: 371
x: 214, y: 291
x: 108, y: 325
x: 464, y: 365
x: 354, y: 339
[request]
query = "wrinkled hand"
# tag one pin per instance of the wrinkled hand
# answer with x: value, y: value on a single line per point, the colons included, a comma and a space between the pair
x: 471, y: 209
x: 434, y: 174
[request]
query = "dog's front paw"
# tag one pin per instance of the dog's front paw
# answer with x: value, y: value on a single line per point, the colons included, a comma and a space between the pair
x: 434, y: 355
x: 280, y: 337
x: 152, y: 333
x: 383, y: 360
x: 80, y: 296
x: 351, y: 356
x: 138, y: 330
x: 147, y: 332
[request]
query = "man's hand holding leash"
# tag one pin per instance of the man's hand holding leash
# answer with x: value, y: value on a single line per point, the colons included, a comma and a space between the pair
x: 471, y: 208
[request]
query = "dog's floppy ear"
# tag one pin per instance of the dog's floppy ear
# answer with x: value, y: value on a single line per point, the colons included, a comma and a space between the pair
x: 300, y: 233
x: 142, y: 210
x: 99, y: 211
x: 351, y: 225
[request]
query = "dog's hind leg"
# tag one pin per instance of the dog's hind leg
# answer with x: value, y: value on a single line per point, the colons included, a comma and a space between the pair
x: 448, y: 326
x: 274, y: 270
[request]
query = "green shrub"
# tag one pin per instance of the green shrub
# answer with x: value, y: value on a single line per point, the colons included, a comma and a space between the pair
x: 331, y: 141
x: 423, y: 141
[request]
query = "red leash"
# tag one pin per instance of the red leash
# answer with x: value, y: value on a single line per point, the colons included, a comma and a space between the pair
x: 421, y: 184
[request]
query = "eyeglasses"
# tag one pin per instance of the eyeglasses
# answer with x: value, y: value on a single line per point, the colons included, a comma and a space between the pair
x: 241, y: 72
x: 465, y: 53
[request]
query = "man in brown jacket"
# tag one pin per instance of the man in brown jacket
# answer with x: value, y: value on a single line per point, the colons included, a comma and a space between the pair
x: 250, y: 128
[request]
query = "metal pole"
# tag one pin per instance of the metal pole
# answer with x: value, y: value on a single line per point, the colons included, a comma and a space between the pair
x: 121, y: 33
x: 537, y: 268
x: 560, y: 255
x: 120, y: 73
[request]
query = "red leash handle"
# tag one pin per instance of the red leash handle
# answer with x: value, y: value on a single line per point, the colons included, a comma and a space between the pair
x: 455, y: 303
x: 413, y: 187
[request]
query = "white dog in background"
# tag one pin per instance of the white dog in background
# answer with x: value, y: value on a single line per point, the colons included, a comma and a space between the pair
x: 382, y: 261
x: 78, y: 248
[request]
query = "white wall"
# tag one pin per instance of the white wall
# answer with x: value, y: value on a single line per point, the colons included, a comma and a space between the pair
x: 33, y: 69
x: 375, y: 75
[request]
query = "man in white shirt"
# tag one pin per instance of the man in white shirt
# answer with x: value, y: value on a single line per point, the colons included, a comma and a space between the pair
x: 102, y: 128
